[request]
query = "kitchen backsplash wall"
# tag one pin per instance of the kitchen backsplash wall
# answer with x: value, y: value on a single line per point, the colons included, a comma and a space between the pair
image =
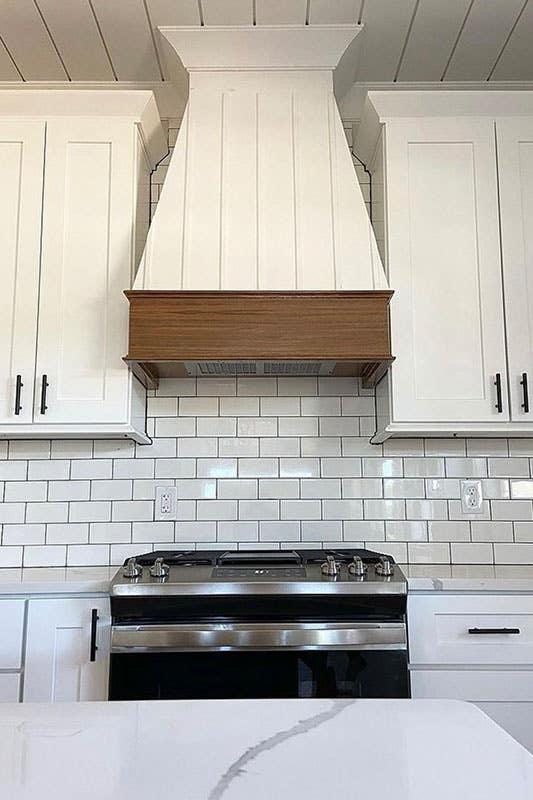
x: 263, y: 463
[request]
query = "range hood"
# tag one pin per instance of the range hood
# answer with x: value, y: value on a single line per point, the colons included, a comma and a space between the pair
x: 260, y: 259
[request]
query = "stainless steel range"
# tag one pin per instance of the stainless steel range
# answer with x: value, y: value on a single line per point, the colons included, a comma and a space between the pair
x: 310, y: 623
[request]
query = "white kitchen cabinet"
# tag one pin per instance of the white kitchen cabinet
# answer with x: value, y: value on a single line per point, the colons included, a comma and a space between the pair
x: 64, y: 330
x: 456, y: 167
x: 515, y: 169
x: 21, y: 181
x: 59, y: 665
x: 11, y: 633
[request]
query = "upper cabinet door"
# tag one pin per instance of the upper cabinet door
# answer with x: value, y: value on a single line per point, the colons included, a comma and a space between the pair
x: 21, y: 181
x: 444, y: 262
x: 515, y: 166
x: 86, y: 265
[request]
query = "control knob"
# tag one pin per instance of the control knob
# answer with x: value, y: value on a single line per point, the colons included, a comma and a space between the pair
x: 159, y: 569
x: 132, y: 569
x: 384, y: 567
x: 330, y: 567
x: 357, y: 567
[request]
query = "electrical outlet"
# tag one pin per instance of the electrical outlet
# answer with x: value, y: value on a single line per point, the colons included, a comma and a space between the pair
x: 471, y: 497
x: 166, y: 502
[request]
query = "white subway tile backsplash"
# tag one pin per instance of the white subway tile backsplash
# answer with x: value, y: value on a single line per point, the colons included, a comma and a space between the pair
x: 47, y: 512
x: 237, y: 489
x: 216, y: 509
x: 341, y: 467
x: 27, y: 448
x: 338, y: 426
x: 298, y: 426
x: 495, y: 489
x: 46, y: 556
x: 259, y: 509
x: 86, y: 555
x: 512, y: 509
x: 165, y: 468
x: 94, y: 468
x: 358, y: 407
x: 160, y: 448
x: 455, y: 511
x: 281, y: 407
x: 487, y: 447
x: 384, y: 509
x: 366, y: 530
x: 119, y: 448
x: 282, y: 488
x: 23, y: 534
x: 299, y: 387
x: 343, y: 509
x: 362, y: 487
x: 175, y: 426
x: 197, y: 447
x: 69, y: 490
x: 110, y: 532
x: 14, y: 470
x: 145, y: 489
x: 256, y: 387
x: 176, y: 387
x: 522, y: 490
x: 11, y: 556
x: 216, y: 426
x: 322, y: 531
x: 279, y: 447
x: 195, y: 531
x: 448, y: 531
x: 445, y: 447
x: 162, y: 406
x: 403, y: 487
x: 198, y: 407
x: 492, y: 531
x: 47, y: 470
x: 382, y: 467
x: 216, y: 387
x: 68, y: 533
x: 279, y: 531
x: 404, y: 447
x: 25, y: 491
x: 299, y: 467
x: 466, y: 467
x: 338, y: 386
x: 238, y: 448
x: 513, y: 553
x: 241, y: 531
x: 301, y: 509
x: 320, y: 488
x: 96, y: 511
x: 146, y: 531
x: 523, y: 531
x: 109, y: 490
x: 67, y: 448
x: 521, y: 447
x: 216, y: 468
x: 430, y: 467
x: 257, y: 426
x: 129, y: 510
x: 443, y: 488
x: 508, y: 468
x: 428, y: 553
x: 197, y: 488
x: 426, y: 509
x: 321, y: 446
x: 239, y: 406
x: 406, y: 531
x: 321, y: 406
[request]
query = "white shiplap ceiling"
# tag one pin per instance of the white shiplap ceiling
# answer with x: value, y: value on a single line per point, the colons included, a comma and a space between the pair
x: 403, y: 40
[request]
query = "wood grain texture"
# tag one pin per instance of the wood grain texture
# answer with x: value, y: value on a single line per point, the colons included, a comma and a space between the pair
x: 170, y: 327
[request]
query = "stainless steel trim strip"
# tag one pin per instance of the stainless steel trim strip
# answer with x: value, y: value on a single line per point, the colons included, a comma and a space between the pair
x: 264, y: 636
x: 158, y: 588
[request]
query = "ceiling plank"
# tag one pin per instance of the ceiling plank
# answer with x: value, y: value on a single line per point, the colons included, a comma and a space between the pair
x: 128, y: 38
x: 228, y: 12
x: 516, y: 62
x: 330, y: 12
x: 8, y: 71
x: 28, y: 41
x: 280, y: 12
x: 433, y: 34
x: 171, y: 12
x: 75, y: 33
x: 386, y: 26
x: 481, y: 39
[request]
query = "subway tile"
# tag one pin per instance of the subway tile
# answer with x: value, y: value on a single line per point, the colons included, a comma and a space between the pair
x: 321, y: 531
x: 321, y: 406
x: 513, y: 553
x: 272, y: 531
x: 283, y: 488
x: 521, y: 447
x: 426, y: 509
x: 495, y: 489
x: 358, y: 407
x: 3, y: 450
x: 404, y: 447
x: 29, y: 449
x: 429, y: 553
x: 175, y: 426
x: 257, y: 387
x: 197, y: 447
x: 466, y: 467
x: 523, y: 531
x: 257, y: 426
x: 132, y: 510
x: 362, y: 487
x: 423, y: 467
x: 114, y: 448
x: 237, y: 489
x: 198, y: 407
x: 134, y: 468
x: 455, y: 511
x: 25, y: 491
x: 14, y: 470
x: 320, y: 488
x: 47, y: 470
x: 486, y: 447
x: 382, y: 467
x: 492, y: 531
x: 110, y: 490
x: 508, y: 468
x: 449, y: 531
x: 241, y: 531
x: 162, y: 406
x: 297, y: 387
x: 406, y: 531
x: 338, y: 386
x: 120, y: 552
x: 196, y: 531
x: 397, y: 551
x: 186, y: 510
x: 384, y: 509
x: 343, y: 509
x: 258, y: 509
x: 149, y: 531
x: 171, y: 468
x: 67, y: 533
x: 110, y: 532
x: 367, y: 426
x: 238, y: 448
x: 85, y: 555
x: 216, y: 509
x: 360, y: 446
x: 11, y: 556
x: 47, y: 512
x: 96, y: 511
x: 278, y: 447
x: 145, y: 489
x: 341, y: 467
x: 338, y: 426
x: 197, y: 488
x: 216, y: 387
x: 280, y: 406
x: 403, y: 487
x: 298, y: 426
x: 216, y: 468
x: 301, y: 509
x: 176, y: 387
x: 522, y: 490
x: 368, y: 530
x: 299, y: 467
x: 445, y: 447
x: 71, y: 448
x: 23, y: 534
x: 216, y: 426
x: 511, y: 509
x: 321, y: 446
x: 159, y: 448
x: 443, y: 488
x: 92, y: 468
x: 69, y: 490
x: 239, y: 406
x: 45, y: 556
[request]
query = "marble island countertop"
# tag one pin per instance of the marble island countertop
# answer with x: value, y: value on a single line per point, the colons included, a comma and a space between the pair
x: 260, y: 749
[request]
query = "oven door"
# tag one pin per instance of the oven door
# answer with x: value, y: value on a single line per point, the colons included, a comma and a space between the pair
x: 253, y: 660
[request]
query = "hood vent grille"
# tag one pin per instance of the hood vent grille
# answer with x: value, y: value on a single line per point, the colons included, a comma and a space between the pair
x: 259, y: 368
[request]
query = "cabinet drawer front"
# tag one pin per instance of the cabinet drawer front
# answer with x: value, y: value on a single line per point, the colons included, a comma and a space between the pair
x: 9, y: 687
x: 471, y: 629
x: 11, y: 633
x: 455, y: 684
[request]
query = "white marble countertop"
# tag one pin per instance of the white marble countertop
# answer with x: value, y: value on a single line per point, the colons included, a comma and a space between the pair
x: 469, y: 578
x: 260, y: 749
x: 56, y: 580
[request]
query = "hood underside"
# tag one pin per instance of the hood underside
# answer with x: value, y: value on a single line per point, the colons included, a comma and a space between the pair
x: 260, y: 259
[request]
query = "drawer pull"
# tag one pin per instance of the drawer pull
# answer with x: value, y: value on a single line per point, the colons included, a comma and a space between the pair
x: 481, y: 631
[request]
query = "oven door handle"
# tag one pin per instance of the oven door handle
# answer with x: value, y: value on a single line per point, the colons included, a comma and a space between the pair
x: 312, y: 636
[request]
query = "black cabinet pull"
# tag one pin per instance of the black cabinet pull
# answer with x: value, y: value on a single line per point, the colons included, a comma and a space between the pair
x: 525, y: 391
x: 481, y: 631
x: 94, y: 622
x: 498, y: 385
x: 18, y: 392
x: 44, y: 387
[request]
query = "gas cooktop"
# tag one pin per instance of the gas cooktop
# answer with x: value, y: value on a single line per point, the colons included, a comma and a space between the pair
x: 192, y: 572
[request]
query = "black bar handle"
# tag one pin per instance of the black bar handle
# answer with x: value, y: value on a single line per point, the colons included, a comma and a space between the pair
x: 498, y: 385
x: 18, y: 392
x: 94, y: 622
x: 44, y: 387
x: 525, y: 390
x: 481, y: 631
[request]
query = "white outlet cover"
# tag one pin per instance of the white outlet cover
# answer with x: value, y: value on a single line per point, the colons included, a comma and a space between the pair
x: 166, y: 502
x: 471, y: 497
